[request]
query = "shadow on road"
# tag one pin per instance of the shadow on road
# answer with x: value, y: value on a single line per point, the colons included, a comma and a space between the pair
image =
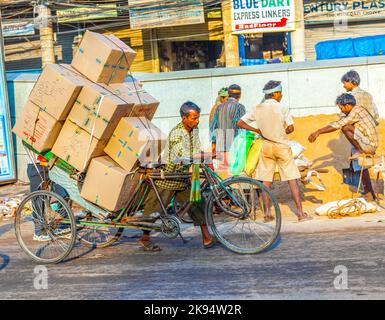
x: 78, y: 251
x: 81, y: 250
x: 276, y: 243
x: 5, y: 228
x: 4, y: 261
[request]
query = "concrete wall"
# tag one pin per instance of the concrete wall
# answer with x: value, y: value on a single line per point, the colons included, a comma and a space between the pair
x: 310, y: 88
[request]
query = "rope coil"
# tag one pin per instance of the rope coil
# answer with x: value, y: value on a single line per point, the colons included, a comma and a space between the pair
x: 352, y: 208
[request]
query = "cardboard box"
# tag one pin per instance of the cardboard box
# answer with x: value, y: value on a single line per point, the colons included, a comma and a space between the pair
x: 98, y: 111
x: 75, y: 146
x: 108, y: 185
x: 266, y: 55
x: 144, y: 105
x: 277, y: 54
x: 37, y: 128
x: 103, y: 58
x: 57, y: 89
x: 135, y: 139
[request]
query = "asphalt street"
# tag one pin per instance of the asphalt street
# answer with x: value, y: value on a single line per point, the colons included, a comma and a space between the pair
x: 300, y: 266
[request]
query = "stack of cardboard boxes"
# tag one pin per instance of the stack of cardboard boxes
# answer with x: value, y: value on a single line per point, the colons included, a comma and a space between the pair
x: 89, y: 117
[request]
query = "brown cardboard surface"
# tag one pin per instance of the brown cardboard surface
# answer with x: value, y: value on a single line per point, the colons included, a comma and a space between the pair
x: 37, y: 128
x: 75, y: 146
x: 57, y: 89
x: 103, y: 58
x: 266, y: 54
x: 108, y: 185
x: 276, y: 54
x: 98, y: 111
x: 135, y: 139
x: 144, y: 105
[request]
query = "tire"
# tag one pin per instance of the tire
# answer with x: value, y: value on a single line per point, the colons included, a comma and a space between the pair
x: 50, y: 214
x: 98, y: 237
x: 255, y: 236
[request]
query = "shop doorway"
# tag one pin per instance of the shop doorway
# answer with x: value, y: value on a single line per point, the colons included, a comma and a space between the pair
x: 190, y: 55
x: 266, y: 46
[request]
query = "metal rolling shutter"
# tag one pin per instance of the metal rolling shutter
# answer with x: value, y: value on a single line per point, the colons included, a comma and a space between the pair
x: 140, y: 41
x: 24, y: 53
x: 315, y: 34
x: 211, y: 30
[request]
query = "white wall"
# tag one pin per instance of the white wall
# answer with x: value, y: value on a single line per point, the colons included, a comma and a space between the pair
x: 310, y: 88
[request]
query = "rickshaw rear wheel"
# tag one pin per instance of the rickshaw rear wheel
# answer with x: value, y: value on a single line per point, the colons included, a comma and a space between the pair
x: 45, y: 227
x: 97, y: 236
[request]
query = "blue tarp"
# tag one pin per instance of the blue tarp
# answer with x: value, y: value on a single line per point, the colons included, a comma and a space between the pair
x: 345, y: 48
x: 351, y: 47
x: 326, y: 50
x: 379, y: 45
x: 364, y: 47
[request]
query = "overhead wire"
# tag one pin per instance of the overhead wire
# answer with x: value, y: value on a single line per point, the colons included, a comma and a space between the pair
x: 119, y: 21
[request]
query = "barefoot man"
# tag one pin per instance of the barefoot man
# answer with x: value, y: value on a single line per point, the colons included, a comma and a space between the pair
x: 359, y: 127
x: 274, y: 123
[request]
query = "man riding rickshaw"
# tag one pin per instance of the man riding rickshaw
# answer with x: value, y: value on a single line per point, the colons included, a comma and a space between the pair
x: 183, y: 142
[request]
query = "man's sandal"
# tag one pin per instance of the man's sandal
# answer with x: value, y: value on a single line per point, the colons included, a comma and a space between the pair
x: 211, y: 244
x: 306, y: 218
x: 148, y: 245
x: 268, y: 219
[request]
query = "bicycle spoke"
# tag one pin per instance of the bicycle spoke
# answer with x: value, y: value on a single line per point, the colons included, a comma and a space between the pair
x: 39, y: 223
x: 241, y: 226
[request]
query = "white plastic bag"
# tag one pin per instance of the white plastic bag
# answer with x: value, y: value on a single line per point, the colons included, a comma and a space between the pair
x: 296, y: 148
x: 366, y: 208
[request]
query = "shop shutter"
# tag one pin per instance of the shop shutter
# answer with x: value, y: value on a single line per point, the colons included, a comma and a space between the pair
x: 211, y: 30
x: 24, y: 53
x: 140, y: 41
x: 315, y: 34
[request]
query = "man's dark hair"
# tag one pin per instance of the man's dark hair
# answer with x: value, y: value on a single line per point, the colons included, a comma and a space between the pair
x: 352, y: 76
x: 187, y: 107
x: 270, y: 85
x: 234, y: 91
x: 346, y: 98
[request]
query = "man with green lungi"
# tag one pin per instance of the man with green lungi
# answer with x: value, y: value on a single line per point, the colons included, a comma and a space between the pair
x: 183, y: 142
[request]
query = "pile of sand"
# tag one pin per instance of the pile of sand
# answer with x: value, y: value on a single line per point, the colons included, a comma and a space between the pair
x: 330, y: 151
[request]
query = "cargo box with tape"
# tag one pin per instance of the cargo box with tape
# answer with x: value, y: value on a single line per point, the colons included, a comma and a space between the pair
x: 76, y: 146
x: 98, y: 111
x: 135, y: 138
x: 144, y: 104
x: 56, y: 90
x: 107, y: 184
x: 103, y: 58
x: 37, y: 128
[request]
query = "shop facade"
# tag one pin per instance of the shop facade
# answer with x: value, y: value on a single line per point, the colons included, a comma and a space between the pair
x: 185, y: 35
x: 333, y: 20
x: 199, y: 34
x: 263, y: 29
x: 188, y: 47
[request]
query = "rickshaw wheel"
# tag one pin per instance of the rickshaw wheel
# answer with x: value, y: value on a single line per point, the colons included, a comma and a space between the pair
x: 45, y: 227
x: 240, y: 223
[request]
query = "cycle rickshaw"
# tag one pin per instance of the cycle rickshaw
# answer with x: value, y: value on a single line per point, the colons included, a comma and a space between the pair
x: 234, y: 213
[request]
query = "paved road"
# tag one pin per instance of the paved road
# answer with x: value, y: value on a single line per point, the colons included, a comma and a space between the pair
x: 300, y: 266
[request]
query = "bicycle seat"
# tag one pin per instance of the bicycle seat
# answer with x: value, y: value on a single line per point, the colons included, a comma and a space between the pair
x: 151, y: 165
